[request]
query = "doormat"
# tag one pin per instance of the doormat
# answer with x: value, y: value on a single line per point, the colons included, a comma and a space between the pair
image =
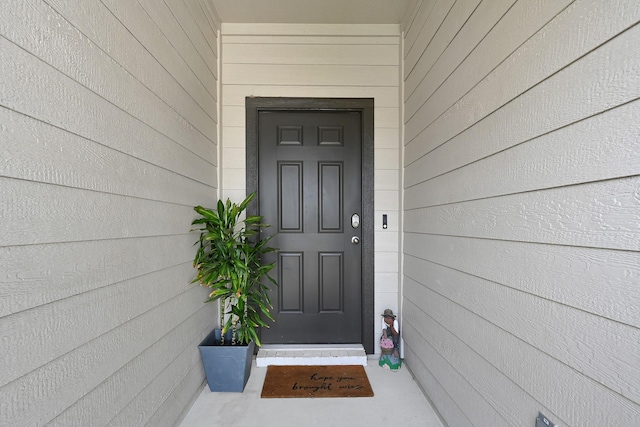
x: 316, y: 381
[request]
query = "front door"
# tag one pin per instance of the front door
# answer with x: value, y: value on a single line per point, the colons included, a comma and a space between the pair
x: 310, y: 181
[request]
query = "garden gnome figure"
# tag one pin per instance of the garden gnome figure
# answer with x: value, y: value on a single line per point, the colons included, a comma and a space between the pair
x: 390, y: 342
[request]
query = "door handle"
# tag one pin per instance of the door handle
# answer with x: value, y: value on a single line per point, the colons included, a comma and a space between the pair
x: 355, y: 240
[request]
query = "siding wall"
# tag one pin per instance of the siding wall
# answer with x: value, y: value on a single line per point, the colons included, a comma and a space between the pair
x: 522, y: 210
x: 341, y: 61
x: 108, y: 137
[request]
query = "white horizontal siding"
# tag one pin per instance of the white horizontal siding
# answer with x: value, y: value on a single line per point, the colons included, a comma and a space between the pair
x: 328, y: 61
x: 562, y: 393
x: 416, y: 23
x: 457, y: 15
x: 138, y: 22
x: 585, y: 150
x: 559, y: 331
x: 590, y: 275
x: 310, y: 39
x: 29, y: 399
x: 385, y: 96
x: 43, y: 153
x: 450, y: 410
x: 26, y: 221
x: 311, y: 54
x: 521, y: 238
x: 311, y: 30
x: 108, y: 138
x: 108, y: 399
x: 309, y: 75
x: 177, y: 397
x: 85, y: 317
x: 180, y: 14
x: 71, y: 53
x: 462, y: 394
x: 93, y: 117
x: 427, y: 32
x: 78, y: 267
x: 139, y: 51
x: 604, y: 214
x: 569, y: 91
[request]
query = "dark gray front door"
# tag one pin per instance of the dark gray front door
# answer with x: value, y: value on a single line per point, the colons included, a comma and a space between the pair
x: 311, y: 161
x: 310, y: 186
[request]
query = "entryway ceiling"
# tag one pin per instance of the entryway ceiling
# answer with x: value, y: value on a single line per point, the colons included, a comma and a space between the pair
x: 313, y: 11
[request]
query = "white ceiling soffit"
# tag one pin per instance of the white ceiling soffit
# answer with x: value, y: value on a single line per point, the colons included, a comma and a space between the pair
x: 312, y: 11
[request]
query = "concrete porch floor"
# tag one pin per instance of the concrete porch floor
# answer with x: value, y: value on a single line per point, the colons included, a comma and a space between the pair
x: 397, y: 401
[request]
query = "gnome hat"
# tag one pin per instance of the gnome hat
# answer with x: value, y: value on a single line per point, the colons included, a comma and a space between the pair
x: 388, y: 313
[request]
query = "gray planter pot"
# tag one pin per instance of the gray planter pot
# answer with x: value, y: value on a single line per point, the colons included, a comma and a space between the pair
x: 227, y: 367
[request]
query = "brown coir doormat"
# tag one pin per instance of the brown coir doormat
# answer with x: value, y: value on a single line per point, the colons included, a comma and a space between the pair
x: 316, y: 381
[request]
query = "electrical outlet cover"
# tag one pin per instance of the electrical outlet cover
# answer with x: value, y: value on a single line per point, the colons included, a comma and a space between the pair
x: 543, y: 421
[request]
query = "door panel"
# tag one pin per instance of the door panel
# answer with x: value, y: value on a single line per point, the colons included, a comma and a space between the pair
x: 310, y: 184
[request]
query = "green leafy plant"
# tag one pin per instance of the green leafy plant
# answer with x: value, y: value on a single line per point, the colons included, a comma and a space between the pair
x: 229, y: 263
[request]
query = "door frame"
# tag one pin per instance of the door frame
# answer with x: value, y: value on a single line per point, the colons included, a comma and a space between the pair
x: 363, y: 105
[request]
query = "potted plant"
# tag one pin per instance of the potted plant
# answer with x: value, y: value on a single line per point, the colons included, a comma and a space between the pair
x: 229, y: 262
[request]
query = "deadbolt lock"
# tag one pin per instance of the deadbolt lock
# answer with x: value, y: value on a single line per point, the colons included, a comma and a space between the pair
x: 355, y: 220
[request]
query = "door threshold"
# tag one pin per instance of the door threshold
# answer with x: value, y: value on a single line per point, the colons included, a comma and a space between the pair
x: 311, y: 354
x: 356, y: 346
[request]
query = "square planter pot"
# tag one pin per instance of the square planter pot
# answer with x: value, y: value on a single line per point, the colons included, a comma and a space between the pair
x: 227, y: 367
